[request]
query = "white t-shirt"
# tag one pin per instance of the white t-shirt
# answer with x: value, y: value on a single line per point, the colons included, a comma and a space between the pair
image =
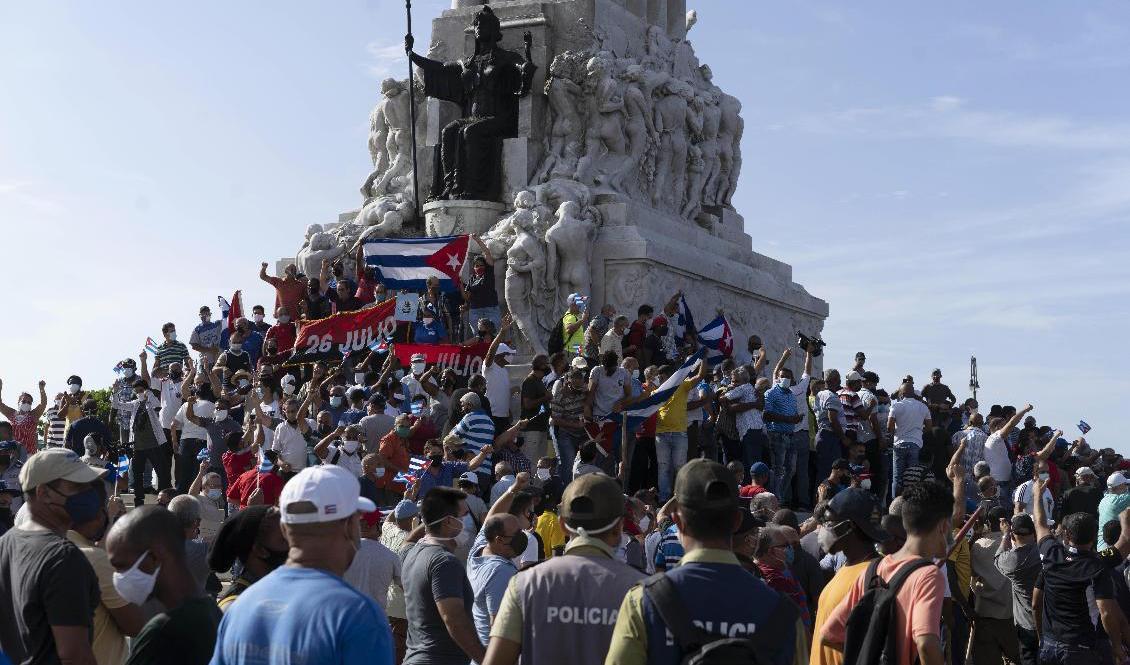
x: 868, y: 400
x: 289, y: 443
x: 609, y: 389
x: 828, y: 406
x: 373, y: 570
x: 170, y: 399
x: 1023, y: 497
x: 910, y: 418
x: 351, y: 463
x: 203, y: 410
x: 800, y: 391
x: 498, y: 390
x: 996, y: 454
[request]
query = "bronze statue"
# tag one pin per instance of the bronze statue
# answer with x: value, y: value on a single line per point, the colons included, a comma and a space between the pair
x: 487, y: 87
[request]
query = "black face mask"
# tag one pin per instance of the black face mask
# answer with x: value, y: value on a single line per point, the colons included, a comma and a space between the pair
x: 436, y: 459
x: 275, y: 558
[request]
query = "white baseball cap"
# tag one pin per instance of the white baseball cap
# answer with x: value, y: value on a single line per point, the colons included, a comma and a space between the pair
x: 503, y: 349
x: 579, y: 363
x: 58, y: 463
x: 323, y: 493
x: 418, y: 357
x: 470, y: 477
x: 1117, y: 479
x: 1084, y: 471
x: 853, y: 376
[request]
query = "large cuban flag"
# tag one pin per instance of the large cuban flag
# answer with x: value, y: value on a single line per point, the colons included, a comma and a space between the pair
x: 717, y: 339
x: 643, y: 409
x: 407, y: 263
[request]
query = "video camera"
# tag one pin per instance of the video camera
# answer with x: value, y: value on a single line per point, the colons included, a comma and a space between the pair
x: 813, y: 345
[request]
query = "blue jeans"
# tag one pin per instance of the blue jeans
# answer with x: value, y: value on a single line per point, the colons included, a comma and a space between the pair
x: 753, y: 447
x: 828, y: 450
x: 784, y: 461
x: 671, y: 451
x: 905, y: 456
x: 492, y: 314
x: 1053, y: 652
x: 565, y: 443
x: 800, y: 468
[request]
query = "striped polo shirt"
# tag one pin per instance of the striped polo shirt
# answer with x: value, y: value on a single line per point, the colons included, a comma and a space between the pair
x: 171, y: 352
x: 477, y: 430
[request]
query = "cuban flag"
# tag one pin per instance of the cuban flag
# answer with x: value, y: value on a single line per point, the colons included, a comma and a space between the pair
x: 118, y: 469
x: 150, y: 345
x: 416, y: 466
x: 229, y: 312
x: 265, y: 465
x: 717, y: 339
x: 407, y: 263
x: 379, y: 345
x: 1084, y: 427
x: 685, y: 320
x: 642, y: 410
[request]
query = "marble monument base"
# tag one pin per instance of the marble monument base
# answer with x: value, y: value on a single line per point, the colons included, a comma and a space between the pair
x: 459, y: 217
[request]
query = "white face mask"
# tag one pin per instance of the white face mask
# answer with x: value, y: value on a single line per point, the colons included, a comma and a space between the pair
x: 350, y: 446
x: 1044, y: 476
x: 284, y: 318
x: 335, y: 401
x: 865, y: 483
x: 135, y: 585
x: 215, y: 494
x: 219, y: 414
x: 825, y: 538
x: 236, y: 347
x: 468, y: 523
x: 644, y: 523
x: 418, y: 368
x: 543, y: 474
x: 359, y: 378
x: 288, y: 388
x: 243, y: 383
x: 24, y: 407
x: 784, y: 382
x: 258, y: 318
x: 428, y: 320
x: 73, y: 388
x: 128, y: 373
x: 462, y: 538
x: 379, y: 472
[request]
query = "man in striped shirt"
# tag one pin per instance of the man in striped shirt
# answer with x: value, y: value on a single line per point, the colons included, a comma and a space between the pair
x: 56, y: 424
x: 476, y: 428
x: 171, y: 351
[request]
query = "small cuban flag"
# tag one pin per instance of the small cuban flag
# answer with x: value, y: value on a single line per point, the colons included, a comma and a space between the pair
x: 118, y: 469
x: 265, y: 465
x: 416, y: 466
x: 380, y: 345
x: 150, y: 345
x: 1084, y: 427
x: 202, y: 455
x: 119, y: 367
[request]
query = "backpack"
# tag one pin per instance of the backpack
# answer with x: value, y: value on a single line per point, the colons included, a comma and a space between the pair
x: 701, y: 648
x: 871, y: 638
x: 556, y: 338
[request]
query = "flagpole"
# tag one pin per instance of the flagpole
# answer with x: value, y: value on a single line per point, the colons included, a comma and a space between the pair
x: 412, y: 112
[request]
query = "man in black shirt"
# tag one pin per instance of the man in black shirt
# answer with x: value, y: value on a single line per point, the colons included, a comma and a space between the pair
x: 535, y: 408
x: 146, y: 549
x: 1070, y: 569
x: 1085, y: 496
x: 48, y: 590
x: 939, y: 398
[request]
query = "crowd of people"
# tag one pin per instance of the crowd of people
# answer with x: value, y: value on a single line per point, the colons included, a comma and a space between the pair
x: 234, y: 507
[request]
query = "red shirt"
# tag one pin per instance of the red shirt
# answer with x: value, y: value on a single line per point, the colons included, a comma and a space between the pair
x: 636, y: 333
x: 751, y: 490
x: 236, y: 463
x: 288, y: 292
x: 241, y: 489
x: 284, y: 334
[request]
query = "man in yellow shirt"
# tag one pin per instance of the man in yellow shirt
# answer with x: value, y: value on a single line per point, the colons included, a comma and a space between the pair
x: 573, y: 324
x: 850, y: 527
x: 671, y: 428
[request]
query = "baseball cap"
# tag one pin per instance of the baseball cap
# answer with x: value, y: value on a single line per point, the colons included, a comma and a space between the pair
x: 503, y: 349
x: 405, y: 510
x: 469, y: 477
x: 1084, y: 471
x: 1116, y: 479
x: 56, y: 464
x: 759, y: 469
x: 323, y: 493
x: 593, y: 499
x: 659, y: 321
x: 1023, y: 525
x: 702, y: 483
x: 579, y: 363
x: 859, y: 506
x: 417, y: 357
x: 853, y: 376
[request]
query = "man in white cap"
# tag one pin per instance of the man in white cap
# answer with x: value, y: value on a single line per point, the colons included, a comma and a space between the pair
x: 304, y: 611
x: 411, y: 382
x: 48, y: 591
x: 498, y: 377
x: 1085, y: 496
x: 1116, y: 500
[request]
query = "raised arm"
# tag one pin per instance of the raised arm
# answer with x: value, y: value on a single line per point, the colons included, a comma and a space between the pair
x: 37, y: 412
x: 808, y: 363
x: 484, y: 249
x: 144, y: 358
x: 477, y: 460
x: 190, y: 413
x: 1014, y: 420
x: 762, y: 358
x: 1038, y: 516
x: 1048, y: 449
x: 502, y: 330
x: 956, y: 473
x: 781, y: 362
x: 324, y: 276
x: 512, y: 433
x: 6, y: 410
x: 503, y: 504
x: 323, y: 448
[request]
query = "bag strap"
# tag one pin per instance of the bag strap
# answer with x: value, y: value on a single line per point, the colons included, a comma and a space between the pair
x: 871, y: 573
x: 663, y: 594
x: 904, y: 572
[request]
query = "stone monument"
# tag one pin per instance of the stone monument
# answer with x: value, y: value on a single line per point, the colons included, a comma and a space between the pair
x: 604, y: 162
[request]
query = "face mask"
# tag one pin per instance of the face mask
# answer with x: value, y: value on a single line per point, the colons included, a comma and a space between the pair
x: 518, y: 543
x: 128, y: 373
x: 214, y: 494
x: 405, y: 432
x: 462, y: 538
x: 73, y: 388
x: 82, y: 507
x: 359, y: 378
x: 825, y: 538
x: 644, y: 523
x: 24, y: 407
x: 236, y: 347
x: 418, y: 368
x: 468, y: 523
x: 1044, y: 476
x: 784, y: 382
x: 790, y: 555
x: 436, y: 459
x: 259, y: 391
x: 172, y: 337
x: 379, y: 472
x: 350, y: 447
x: 244, y: 383
x: 135, y: 586
x: 258, y: 318
x: 335, y: 401
x: 284, y: 318
x: 220, y: 414
x: 428, y: 320
x: 543, y: 474
x: 288, y: 388
x: 865, y: 483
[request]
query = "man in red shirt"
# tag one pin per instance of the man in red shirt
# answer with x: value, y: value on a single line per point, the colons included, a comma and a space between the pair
x: 283, y: 332
x: 760, y: 474
x: 261, y: 485
x: 638, y: 331
x: 289, y: 290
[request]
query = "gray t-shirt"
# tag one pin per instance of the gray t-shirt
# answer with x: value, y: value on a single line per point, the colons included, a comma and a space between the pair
x: 430, y: 574
x: 45, y: 580
x: 608, y: 389
x: 489, y: 575
x: 375, y: 427
x: 1021, y: 566
x: 217, y: 432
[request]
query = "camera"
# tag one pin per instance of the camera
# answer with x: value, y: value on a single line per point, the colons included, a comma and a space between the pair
x: 813, y: 345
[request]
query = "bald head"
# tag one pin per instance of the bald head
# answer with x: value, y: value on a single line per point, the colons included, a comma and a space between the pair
x: 143, y: 529
x: 503, y: 525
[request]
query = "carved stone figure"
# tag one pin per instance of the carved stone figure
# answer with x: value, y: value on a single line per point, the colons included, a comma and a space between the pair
x: 569, y: 250
x: 672, y: 117
x: 639, y: 124
x: 696, y: 176
x: 525, y: 278
x: 382, y: 217
x: 605, y: 143
x: 563, y: 140
x: 711, y: 126
x: 730, y: 129
x: 322, y: 246
x: 390, y: 139
x: 487, y: 87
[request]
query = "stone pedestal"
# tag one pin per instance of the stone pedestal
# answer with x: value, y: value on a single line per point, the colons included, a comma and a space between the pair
x: 446, y: 218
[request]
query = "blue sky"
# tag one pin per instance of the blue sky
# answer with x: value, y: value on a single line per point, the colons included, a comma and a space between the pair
x: 953, y: 179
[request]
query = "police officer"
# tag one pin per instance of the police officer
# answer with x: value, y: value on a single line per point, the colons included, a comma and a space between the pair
x: 709, y: 585
x: 10, y: 471
x: 568, y: 604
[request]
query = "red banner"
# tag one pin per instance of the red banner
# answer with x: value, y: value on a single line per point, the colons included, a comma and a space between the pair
x: 334, y: 336
x: 465, y: 360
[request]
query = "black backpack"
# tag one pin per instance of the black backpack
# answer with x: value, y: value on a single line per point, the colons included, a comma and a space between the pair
x: 871, y: 638
x: 556, y: 340
x: 699, y: 647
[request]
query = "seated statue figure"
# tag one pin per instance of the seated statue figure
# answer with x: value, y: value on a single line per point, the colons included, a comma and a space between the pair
x: 487, y: 87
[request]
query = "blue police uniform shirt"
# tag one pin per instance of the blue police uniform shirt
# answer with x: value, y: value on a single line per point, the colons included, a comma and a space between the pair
x: 303, y: 615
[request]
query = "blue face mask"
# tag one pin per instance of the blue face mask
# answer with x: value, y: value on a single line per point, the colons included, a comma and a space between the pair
x: 790, y: 555
x: 83, y: 507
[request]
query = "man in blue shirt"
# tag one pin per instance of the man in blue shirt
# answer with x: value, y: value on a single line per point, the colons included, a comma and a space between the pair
x: 304, y: 612
x: 490, y: 566
x: 781, y: 416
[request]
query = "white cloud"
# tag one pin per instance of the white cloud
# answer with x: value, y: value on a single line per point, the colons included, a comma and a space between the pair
x: 19, y: 197
x: 387, y: 59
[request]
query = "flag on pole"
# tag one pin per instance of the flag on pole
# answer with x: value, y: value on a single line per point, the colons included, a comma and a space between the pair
x: 151, y: 346
x: 685, y: 319
x: 1084, y: 427
x: 230, y: 311
x: 118, y: 469
x: 717, y: 339
x: 416, y: 466
x: 407, y: 263
x: 380, y: 345
x: 265, y: 465
x: 643, y: 409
